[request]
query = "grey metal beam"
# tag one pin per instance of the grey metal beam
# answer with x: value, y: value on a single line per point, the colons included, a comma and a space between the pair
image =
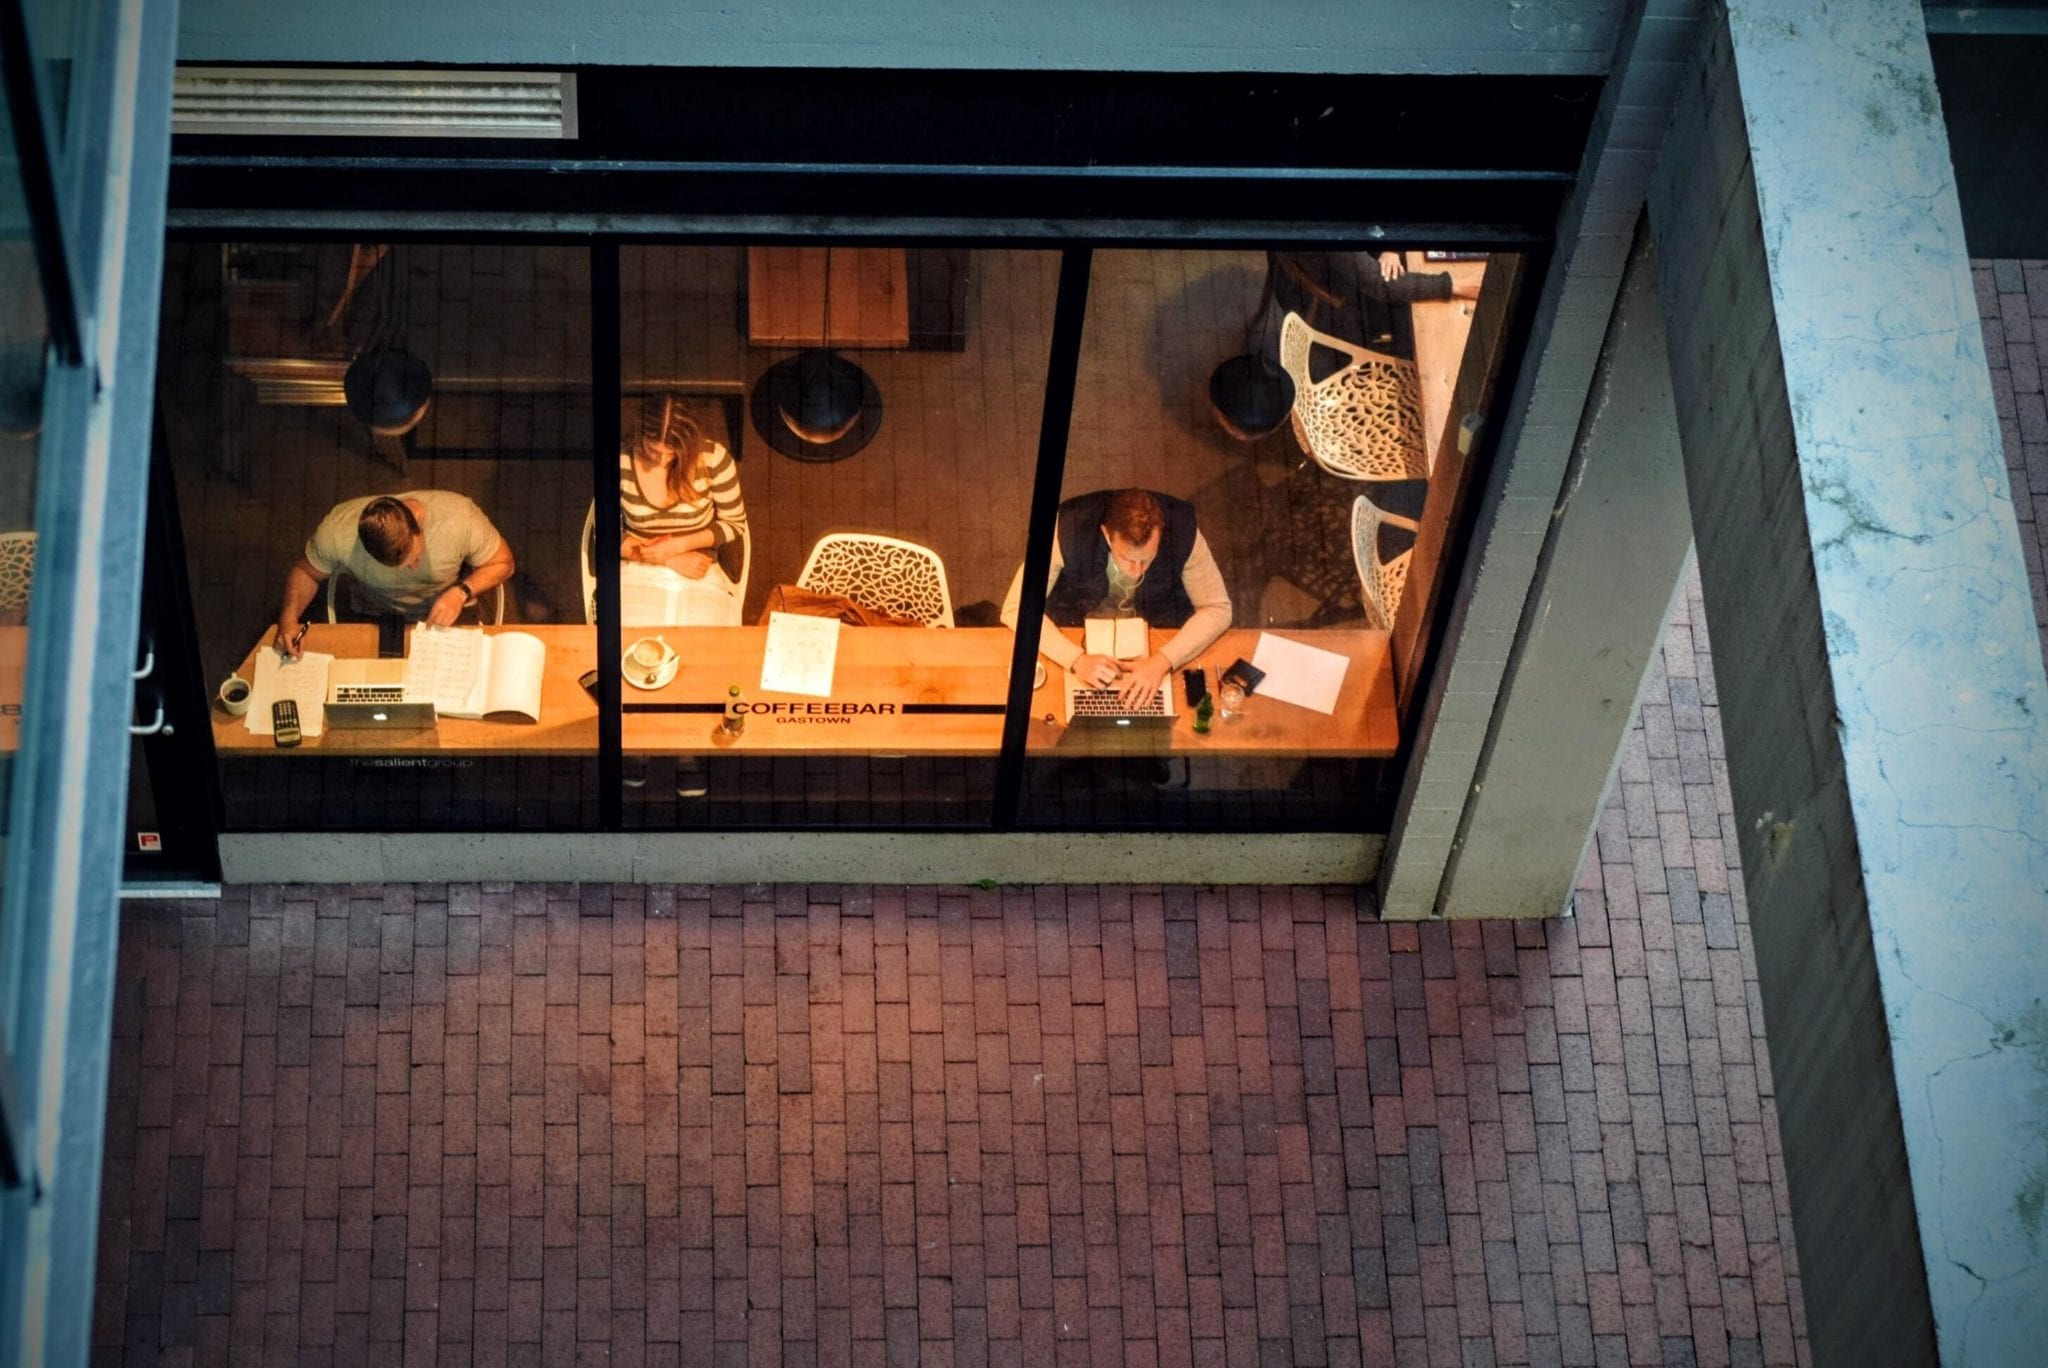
x: 1618, y: 539
x: 1881, y: 692
x: 78, y: 695
x: 1539, y: 426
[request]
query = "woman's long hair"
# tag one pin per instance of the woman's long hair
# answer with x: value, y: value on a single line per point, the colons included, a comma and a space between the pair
x: 671, y: 437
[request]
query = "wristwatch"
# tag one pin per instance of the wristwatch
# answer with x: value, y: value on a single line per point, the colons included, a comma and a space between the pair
x: 468, y: 594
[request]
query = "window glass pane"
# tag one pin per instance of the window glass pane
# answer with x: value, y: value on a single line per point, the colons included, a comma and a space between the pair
x: 1238, y: 417
x: 57, y: 34
x: 366, y: 435
x: 871, y: 480
x: 24, y: 340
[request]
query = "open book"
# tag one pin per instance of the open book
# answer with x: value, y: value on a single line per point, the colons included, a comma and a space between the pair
x: 468, y: 674
x: 1121, y: 638
x: 656, y: 596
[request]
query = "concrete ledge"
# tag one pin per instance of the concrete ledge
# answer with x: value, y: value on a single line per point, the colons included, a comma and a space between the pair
x: 801, y: 857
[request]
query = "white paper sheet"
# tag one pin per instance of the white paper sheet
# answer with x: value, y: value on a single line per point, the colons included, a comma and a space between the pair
x: 1296, y: 673
x: 304, y: 681
x: 802, y: 652
x: 445, y: 665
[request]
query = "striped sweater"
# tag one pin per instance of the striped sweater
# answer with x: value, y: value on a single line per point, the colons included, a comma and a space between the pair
x: 713, y: 501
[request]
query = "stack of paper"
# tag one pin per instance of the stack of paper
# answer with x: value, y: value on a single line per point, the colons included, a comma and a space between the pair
x: 303, y: 681
x: 1295, y: 673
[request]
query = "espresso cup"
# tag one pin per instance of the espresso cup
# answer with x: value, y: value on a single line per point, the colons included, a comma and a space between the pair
x: 234, y: 695
x: 649, y: 654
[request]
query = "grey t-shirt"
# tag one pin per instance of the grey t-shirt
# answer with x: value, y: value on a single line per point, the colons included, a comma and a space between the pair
x: 456, y: 531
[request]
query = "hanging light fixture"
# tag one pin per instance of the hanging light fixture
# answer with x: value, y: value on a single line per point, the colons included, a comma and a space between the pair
x: 817, y: 405
x: 386, y: 387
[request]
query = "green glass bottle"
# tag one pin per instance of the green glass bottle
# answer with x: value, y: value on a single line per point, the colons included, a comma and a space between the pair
x: 735, y: 721
x: 1204, y: 710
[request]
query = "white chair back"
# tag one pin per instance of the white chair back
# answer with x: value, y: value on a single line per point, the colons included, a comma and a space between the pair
x: 17, y: 570
x: 1363, y: 422
x: 1379, y: 582
x: 884, y: 574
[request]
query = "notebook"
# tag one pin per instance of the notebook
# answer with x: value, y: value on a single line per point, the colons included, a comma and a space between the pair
x: 1119, y: 638
x: 469, y: 674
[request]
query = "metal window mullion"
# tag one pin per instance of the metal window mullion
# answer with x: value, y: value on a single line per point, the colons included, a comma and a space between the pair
x: 1070, y: 310
x: 606, y: 383
x: 57, y: 265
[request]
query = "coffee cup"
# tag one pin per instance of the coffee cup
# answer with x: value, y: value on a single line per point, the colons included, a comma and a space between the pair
x: 649, y: 653
x: 234, y: 695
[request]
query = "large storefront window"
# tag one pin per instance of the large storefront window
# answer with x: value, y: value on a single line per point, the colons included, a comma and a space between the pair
x: 826, y: 478
x: 779, y: 521
x: 368, y: 438
x: 1252, y: 446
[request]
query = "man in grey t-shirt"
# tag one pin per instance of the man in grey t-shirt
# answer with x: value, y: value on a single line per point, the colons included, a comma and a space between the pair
x: 424, y: 555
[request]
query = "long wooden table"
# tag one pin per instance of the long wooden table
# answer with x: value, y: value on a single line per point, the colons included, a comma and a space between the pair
x: 13, y: 660
x: 896, y: 691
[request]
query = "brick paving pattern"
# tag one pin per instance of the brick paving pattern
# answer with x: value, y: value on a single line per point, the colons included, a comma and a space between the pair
x: 467, y: 1125
x: 2012, y: 299
x: 463, y: 1125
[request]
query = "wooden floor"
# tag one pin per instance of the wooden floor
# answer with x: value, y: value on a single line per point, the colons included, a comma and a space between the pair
x: 951, y: 467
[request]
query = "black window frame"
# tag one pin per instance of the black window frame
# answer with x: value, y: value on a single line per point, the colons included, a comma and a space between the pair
x: 285, y: 190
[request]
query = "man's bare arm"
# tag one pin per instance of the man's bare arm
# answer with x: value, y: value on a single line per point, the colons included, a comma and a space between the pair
x: 301, y: 583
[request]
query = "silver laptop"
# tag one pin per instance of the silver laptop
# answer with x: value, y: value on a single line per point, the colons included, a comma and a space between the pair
x: 1087, y: 704
x: 370, y: 695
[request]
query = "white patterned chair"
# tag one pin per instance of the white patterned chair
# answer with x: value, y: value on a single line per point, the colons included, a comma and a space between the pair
x: 1379, y: 582
x: 1363, y: 422
x: 884, y: 574
x: 17, y: 571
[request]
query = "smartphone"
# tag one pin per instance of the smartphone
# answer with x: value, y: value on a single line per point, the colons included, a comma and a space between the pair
x: 1197, y: 684
x: 284, y: 723
x: 589, y: 682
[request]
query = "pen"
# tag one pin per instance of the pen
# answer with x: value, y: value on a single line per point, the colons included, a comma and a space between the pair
x: 293, y: 649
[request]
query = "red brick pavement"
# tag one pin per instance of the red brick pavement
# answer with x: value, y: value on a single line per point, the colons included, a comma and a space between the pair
x: 828, y: 1125
x: 1045, y: 1126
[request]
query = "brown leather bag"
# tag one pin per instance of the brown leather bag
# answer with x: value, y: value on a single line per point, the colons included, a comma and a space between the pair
x: 789, y: 598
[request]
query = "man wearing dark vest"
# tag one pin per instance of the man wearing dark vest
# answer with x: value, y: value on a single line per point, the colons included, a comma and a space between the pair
x: 1125, y: 552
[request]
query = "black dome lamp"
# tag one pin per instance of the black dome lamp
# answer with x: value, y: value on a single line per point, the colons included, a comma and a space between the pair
x: 388, y: 389
x: 386, y: 386
x: 817, y: 405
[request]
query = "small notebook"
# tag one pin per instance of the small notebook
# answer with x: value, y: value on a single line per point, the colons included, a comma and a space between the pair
x: 469, y: 674
x: 1120, y: 638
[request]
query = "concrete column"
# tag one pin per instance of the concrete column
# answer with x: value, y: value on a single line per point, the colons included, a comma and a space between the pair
x: 1618, y: 539
x: 1539, y: 425
x: 1881, y: 692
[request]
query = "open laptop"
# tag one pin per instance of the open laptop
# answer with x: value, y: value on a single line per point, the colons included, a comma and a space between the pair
x: 370, y: 695
x: 1089, y: 705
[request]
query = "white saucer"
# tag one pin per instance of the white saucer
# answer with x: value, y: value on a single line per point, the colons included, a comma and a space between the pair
x: 636, y: 676
x: 1038, y: 675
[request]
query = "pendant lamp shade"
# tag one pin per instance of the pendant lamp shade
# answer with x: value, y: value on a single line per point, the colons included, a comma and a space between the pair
x: 388, y: 389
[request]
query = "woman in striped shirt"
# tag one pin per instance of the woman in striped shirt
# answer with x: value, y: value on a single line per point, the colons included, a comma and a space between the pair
x: 679, y: 492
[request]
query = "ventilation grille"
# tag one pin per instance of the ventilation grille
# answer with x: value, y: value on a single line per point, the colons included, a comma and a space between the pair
x: 357, y: 102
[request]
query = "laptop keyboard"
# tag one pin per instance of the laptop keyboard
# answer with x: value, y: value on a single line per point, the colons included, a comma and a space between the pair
x: 369, y: 693
x: 1092, y: 702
